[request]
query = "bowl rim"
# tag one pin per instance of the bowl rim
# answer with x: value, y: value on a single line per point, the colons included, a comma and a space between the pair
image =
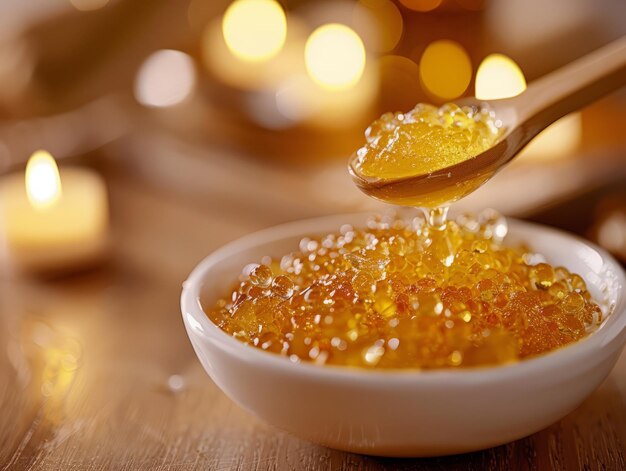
x: 195, y: 319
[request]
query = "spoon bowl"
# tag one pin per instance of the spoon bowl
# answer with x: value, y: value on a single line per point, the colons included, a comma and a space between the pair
x: 521, y: 118
x: 405, y: 412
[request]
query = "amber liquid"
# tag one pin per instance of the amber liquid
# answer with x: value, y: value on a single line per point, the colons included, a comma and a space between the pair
x: 424, y: 157
x: 424, y: 293
x: 408, y: 294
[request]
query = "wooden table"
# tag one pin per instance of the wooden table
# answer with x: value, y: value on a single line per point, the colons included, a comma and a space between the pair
x: 139, y: 398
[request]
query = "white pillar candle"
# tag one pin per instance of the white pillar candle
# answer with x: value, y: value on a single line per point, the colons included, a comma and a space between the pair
x: 51, y: 221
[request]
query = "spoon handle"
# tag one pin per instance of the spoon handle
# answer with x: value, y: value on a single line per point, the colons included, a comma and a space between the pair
x: 573, y: 86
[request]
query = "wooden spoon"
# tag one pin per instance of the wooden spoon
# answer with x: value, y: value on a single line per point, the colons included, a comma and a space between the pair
x: 523, y: 117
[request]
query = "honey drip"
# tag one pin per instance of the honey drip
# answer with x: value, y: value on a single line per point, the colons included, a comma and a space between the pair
x: 425, y: 293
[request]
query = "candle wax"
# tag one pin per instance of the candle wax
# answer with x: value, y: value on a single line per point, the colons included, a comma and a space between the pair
x: 70, y: 233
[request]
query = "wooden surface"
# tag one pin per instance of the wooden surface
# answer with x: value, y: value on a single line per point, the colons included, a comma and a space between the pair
x: 122, y: 408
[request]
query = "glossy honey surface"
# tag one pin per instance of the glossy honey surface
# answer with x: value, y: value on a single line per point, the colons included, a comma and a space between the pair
x: 409, y: 294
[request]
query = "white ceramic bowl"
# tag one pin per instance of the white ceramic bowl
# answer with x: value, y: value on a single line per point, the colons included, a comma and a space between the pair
x: 403, y: 412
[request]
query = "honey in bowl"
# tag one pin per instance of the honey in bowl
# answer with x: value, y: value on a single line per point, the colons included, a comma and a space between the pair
x: 409, y: 294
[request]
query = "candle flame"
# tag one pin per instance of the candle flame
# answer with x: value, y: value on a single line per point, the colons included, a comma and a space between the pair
x: 43, y: 182
x: 498, y: 77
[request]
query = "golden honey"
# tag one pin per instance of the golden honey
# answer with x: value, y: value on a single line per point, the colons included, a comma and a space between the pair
x: 425, y: 293
x: 420, y: 143
x: 409, y: 294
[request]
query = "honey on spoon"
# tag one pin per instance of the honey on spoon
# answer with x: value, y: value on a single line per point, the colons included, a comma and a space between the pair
x: 412, y: 158
x: 426, y: 292
x: 433, y: 157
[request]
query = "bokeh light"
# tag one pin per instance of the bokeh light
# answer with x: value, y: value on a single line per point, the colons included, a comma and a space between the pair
x: 498, y: 76
x: 88, y: 5
x: 388, y: 21
x: 334, y: 56
x: 43, y: 183
x: 254, y: 30
x: 165, y: 78
x: 259, y: 75
x: 445, y: 69
x: 421, y: 5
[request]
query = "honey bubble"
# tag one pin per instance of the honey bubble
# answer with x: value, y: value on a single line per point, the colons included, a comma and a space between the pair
x: 261, y: 276
x: 573, y: 303
x: 542, y: 276
x: 283, y: 287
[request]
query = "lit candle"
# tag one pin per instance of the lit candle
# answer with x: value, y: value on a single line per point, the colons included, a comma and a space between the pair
x: 52, y: 221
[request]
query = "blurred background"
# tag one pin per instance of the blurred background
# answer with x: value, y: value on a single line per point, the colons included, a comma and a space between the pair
x: 254, y: 109
x: 194, y: 122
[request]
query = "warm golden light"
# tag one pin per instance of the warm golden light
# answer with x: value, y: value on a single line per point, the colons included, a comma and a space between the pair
x: 499, y: 76
x: 260, y: 75
x: 254, y: 30
x: 43, y: 183
x: 445, y: 69
x: 334, y: 56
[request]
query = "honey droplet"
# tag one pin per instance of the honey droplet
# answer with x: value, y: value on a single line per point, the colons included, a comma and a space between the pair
x: 283, y: 287
x: 261, y: 276
x: 573, y: 303
x: 542, y: 275
x: 437, y: 217
x: 455, y: 358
